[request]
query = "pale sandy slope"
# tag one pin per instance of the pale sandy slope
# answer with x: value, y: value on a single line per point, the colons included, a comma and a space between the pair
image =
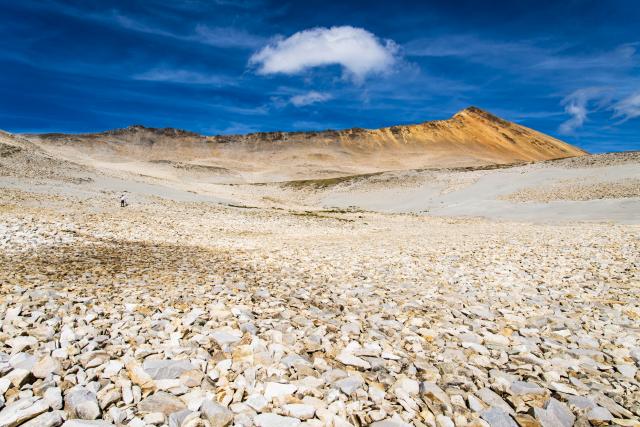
x: 602, y: 188
x: 591, y: 188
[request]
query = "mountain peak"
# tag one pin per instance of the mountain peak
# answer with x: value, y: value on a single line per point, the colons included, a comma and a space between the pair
x: 476, y: 112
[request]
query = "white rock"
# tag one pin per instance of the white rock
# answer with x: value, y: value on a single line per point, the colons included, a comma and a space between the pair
x: 278, y: 390
x: 299, y: 410
x: 274, y: 420
x: 53, y: 397
x: 257, y: 402
x: 18, y: 344
x: 46, y: 366
x: 351, y: 360
x: 628, y: 371
x: 192, y: 316
x: 86, y: 423
x: 22, y: 410
x: 82, y: 403
x: 47, y: 419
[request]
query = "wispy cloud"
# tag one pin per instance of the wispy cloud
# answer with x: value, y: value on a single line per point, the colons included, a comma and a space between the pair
x: 358, y: 51
x: 226, y: 37
x: 309, y: 98
x: 541, y: 54
x: 182, y: 76
x: 628, y: 108
x: 222, y: 37
x: 576, y: 105
x: 471, y: 48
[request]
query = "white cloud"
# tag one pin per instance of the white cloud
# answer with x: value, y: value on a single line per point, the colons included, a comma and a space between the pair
x: 576, y: 105
x: 628, y: 108
x: 309, y: 98
x: 358, y: 51
x: 181, y: 76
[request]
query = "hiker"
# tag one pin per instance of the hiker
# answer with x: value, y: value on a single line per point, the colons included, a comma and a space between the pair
x: 123, y: 200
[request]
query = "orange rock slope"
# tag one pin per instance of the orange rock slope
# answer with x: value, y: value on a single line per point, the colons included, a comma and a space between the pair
x: 472, y: 137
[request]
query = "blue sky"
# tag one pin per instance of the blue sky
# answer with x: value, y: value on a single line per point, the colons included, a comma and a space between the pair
x: 568, y: 68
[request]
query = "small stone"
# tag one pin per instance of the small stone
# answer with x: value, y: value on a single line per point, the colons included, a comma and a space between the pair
x: 628, y: 371
x: 53, y: 397
x: 299, y: 410
x: 21, y: 410
x: 18, y: 344
x: 407, y: 384
x: 257, y: 402
x: 599, y: 416
x: 166, y: 369
x: 112, y: 368
x: 139, y: 376
x: 493, y: 400
x: 526, y: 420
x: 555, y: 413
x: 46, y: 366
x: 274, y: 420
x: 351, y: 360
x: 161, y: 402
x: 390, y: 423
x: 444, y: 421
x: 86, y: 423
x: 218, y: 415
x: 349, y: 384
x: 497, y: 417
x: 278, y: 390
x: 19, y: 377
x: 226, y: 336
x: 82, y: 403
x: 47, y: 419
x: 192, y: 316
x: 154, y: 418
x: 435, y: 393
x: 182, y: 418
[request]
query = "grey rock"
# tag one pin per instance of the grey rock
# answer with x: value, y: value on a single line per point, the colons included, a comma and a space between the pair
x: 555, y: 414
x: 349, y: 384
x: 216, y: 414
x: 161, y: 402
x: 493, y: 400
x: 180, y: 418
x: 166, y: 369
x: 53, y: 397
x: 497, y: 417
x: 82, y: 403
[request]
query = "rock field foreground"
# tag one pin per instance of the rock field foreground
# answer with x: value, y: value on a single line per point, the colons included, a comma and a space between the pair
x: 180, y: 314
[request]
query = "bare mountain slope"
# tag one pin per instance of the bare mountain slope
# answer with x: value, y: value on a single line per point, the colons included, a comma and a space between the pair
x: 472, y: 137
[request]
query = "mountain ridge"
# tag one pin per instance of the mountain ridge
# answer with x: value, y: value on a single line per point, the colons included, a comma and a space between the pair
x: 471, y: 137
x: 171, y: 131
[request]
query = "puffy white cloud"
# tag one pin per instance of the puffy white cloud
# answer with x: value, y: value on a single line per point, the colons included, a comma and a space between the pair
x: 628, y: 108
x: 309, y: 98
x: 358, y: 51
